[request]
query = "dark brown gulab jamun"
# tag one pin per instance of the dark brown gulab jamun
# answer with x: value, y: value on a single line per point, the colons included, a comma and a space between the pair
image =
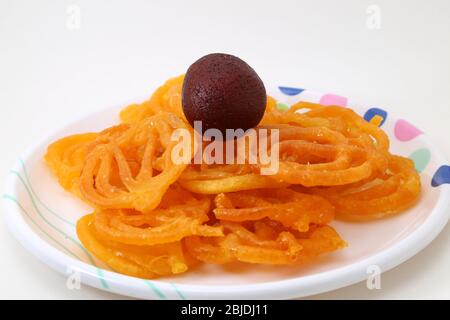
x: 223, y: 92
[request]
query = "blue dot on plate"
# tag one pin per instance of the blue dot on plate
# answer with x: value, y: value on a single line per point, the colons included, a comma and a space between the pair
x: 290, y: 91
x: 441, y: 176
x: 375, y: 112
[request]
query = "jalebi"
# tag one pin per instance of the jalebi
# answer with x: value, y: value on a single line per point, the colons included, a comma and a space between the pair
x: 154, y: 217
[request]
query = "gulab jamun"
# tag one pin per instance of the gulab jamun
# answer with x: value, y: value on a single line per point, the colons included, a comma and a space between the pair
x: 223, y: 92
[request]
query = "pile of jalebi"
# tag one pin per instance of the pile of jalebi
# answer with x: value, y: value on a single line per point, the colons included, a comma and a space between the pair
x: 154, y: 217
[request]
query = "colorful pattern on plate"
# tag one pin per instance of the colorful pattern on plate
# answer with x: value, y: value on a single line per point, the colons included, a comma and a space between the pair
x: 60, y: 230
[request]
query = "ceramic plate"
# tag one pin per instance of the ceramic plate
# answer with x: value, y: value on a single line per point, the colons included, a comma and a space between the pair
x: 42, y: 217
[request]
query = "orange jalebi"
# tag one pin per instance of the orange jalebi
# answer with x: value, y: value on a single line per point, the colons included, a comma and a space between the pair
x: 155, y: 217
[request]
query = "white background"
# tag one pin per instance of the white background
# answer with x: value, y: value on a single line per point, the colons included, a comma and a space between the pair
x: 51, y: 73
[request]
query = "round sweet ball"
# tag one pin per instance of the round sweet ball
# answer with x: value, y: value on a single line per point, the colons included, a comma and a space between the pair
x: 223, y: 92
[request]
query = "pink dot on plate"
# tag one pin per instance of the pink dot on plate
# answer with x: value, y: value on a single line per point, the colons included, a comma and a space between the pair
x: 333, y: 100
x: 405, y: 131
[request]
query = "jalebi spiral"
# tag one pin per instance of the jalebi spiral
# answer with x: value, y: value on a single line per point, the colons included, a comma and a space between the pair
x: 153, y: 217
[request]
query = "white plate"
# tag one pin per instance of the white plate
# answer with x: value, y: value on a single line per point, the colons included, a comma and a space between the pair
x: 42, y: 217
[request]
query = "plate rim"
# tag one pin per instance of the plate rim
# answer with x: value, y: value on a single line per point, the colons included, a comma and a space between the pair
x: 297, y: 287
